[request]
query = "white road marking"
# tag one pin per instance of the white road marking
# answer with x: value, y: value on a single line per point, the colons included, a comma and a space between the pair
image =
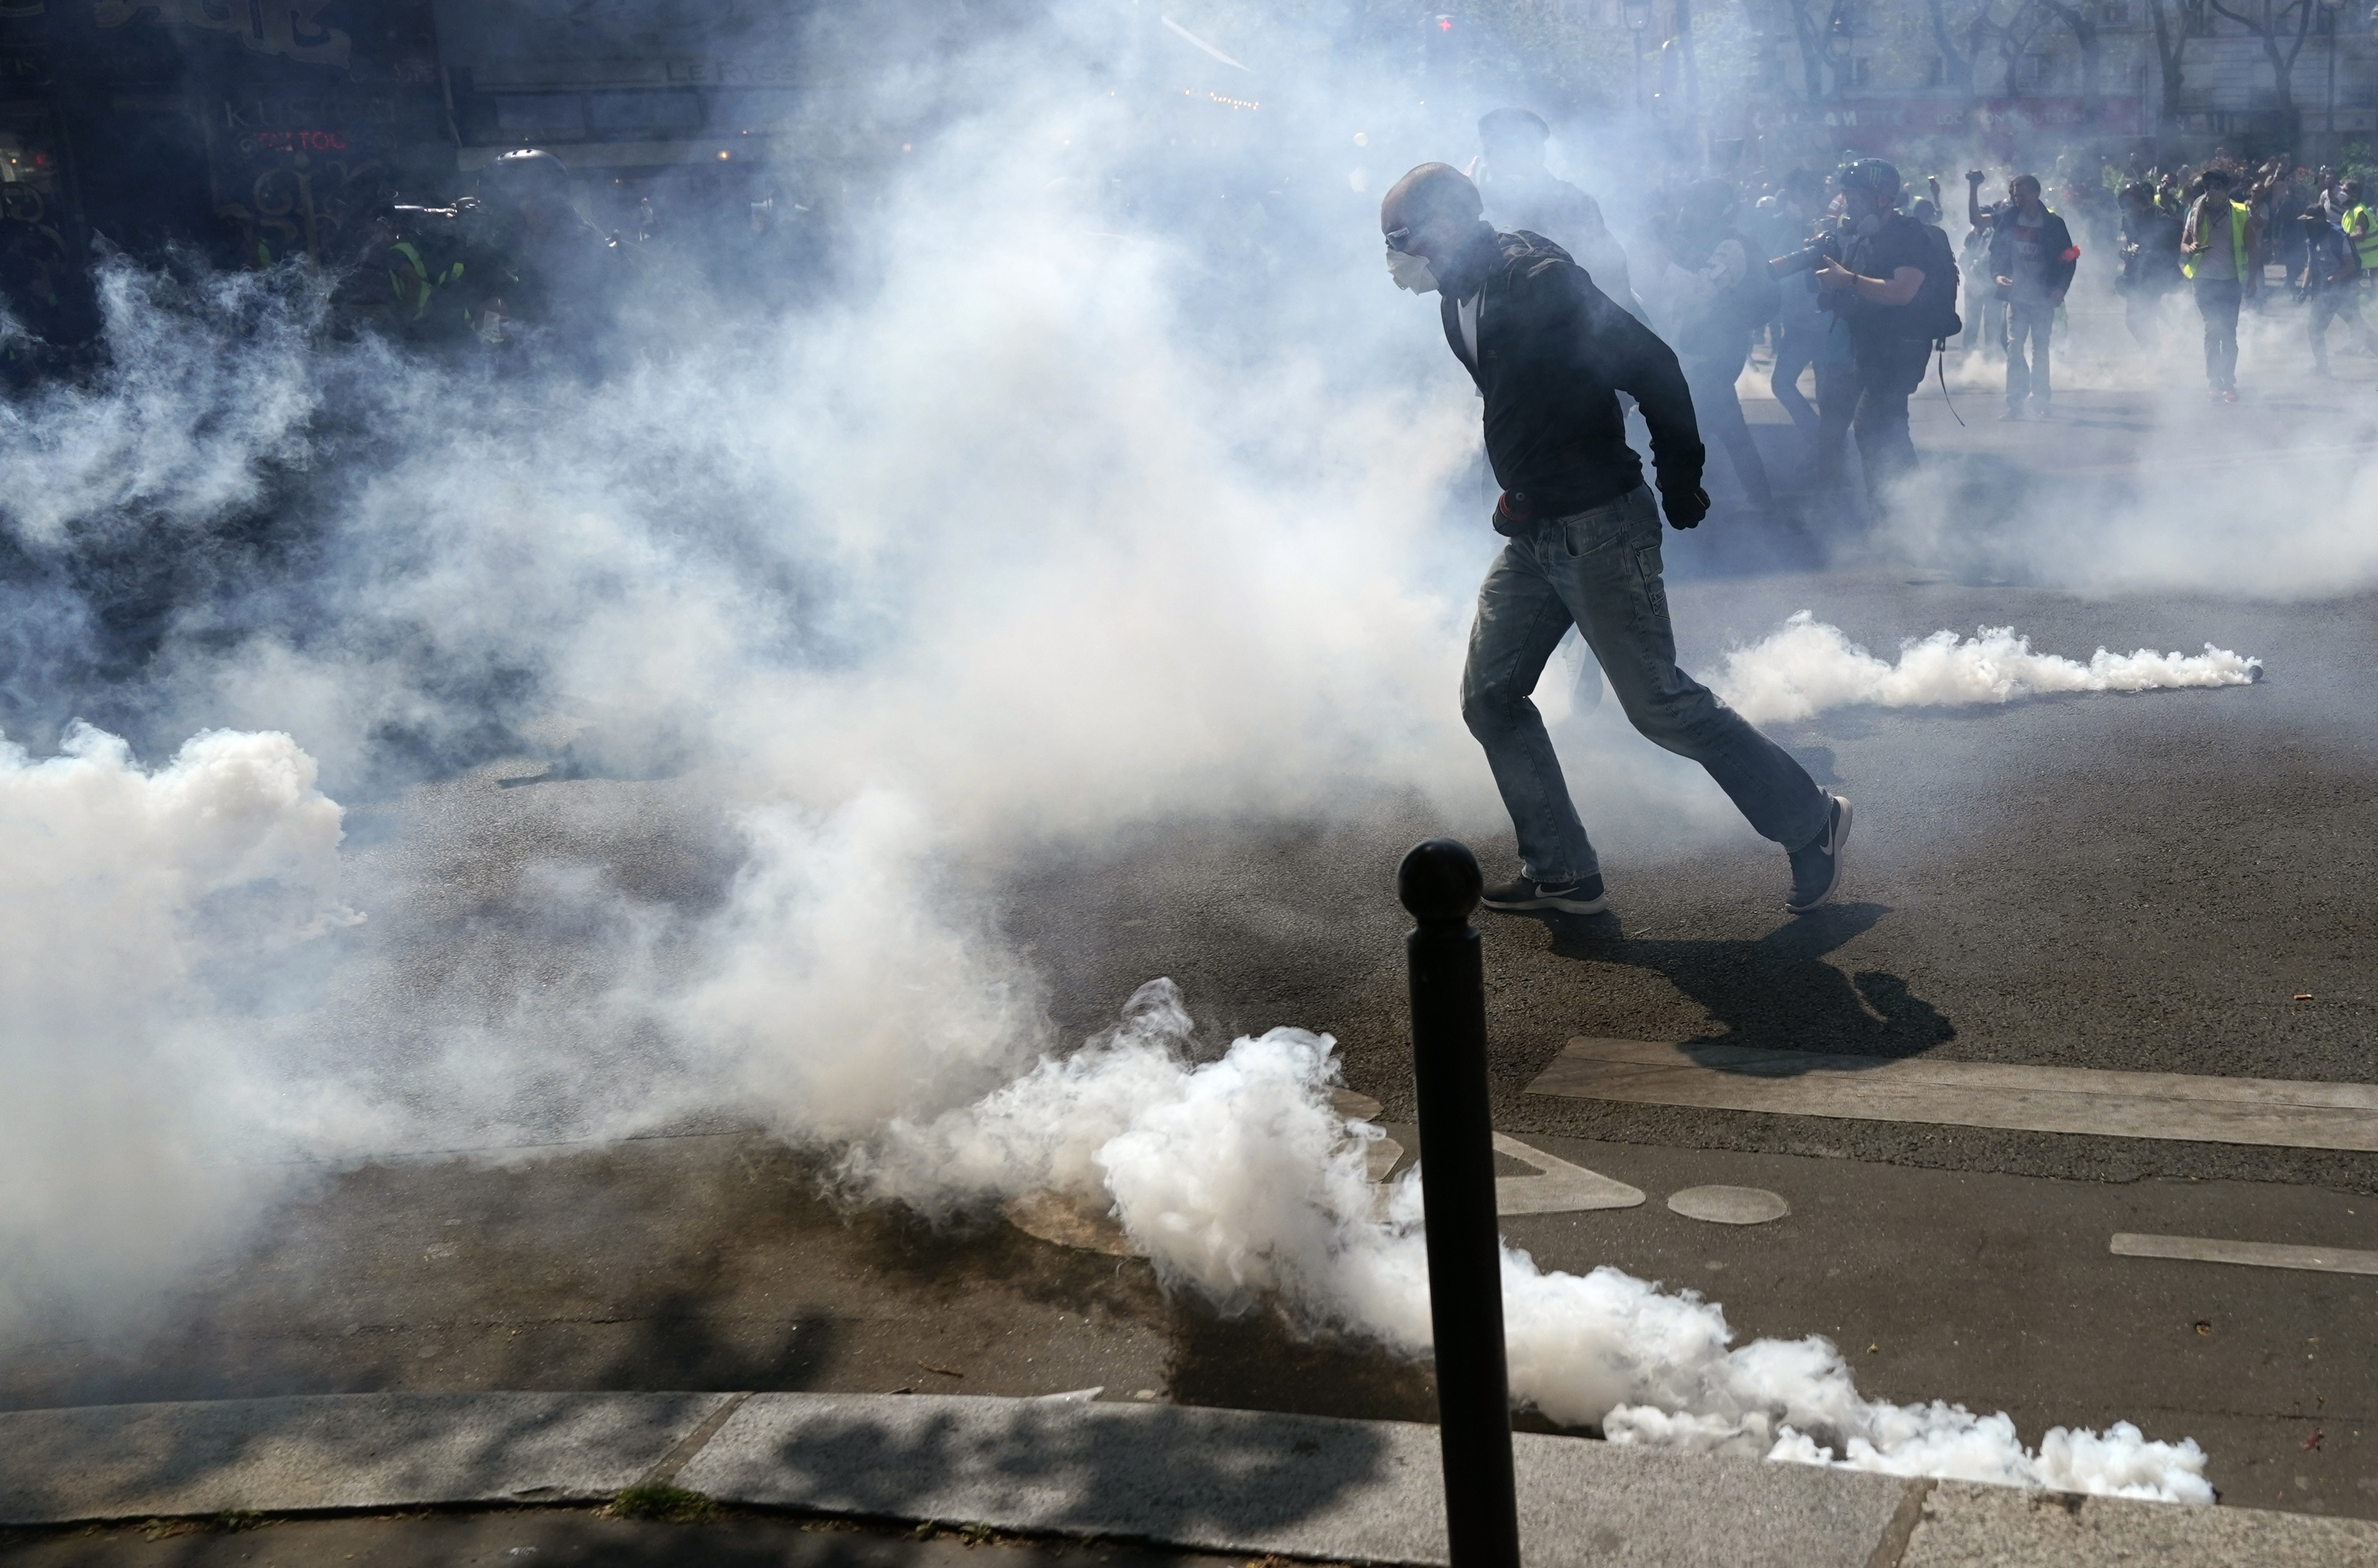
x: 2261, y: 1254
x: 1561, y: 1189
x: 1354, y: 1107
x: 2268, y: 1111
x: 1730, y: 1205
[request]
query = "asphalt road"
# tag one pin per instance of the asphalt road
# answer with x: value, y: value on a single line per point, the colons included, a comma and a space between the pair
x: 2132, y: 883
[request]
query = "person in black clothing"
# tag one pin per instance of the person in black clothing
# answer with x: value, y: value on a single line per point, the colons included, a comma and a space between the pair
x: 2330, y: 281
x: 558, y: 274
x: 1874, y: 288
x: 2150, y: 250
x: 1722, y: 290
x: 1551, y: 353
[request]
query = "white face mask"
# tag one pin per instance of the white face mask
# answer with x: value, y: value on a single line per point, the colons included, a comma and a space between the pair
x: 1869, y: 223
x: 1411, y: 272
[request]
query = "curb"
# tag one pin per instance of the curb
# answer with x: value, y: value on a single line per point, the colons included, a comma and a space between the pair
x: 1219, y: 1480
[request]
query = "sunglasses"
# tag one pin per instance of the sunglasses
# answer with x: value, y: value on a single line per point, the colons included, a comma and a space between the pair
x: 1398, y: 238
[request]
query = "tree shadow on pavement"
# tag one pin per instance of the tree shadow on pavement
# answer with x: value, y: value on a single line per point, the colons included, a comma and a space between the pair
x: 1774, y: 993
x: 1259, y: 1360
x: 1159, y: 1473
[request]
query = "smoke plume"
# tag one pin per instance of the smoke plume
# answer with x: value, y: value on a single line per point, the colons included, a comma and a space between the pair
x: 1117, y: 488
x: 1808, y: 666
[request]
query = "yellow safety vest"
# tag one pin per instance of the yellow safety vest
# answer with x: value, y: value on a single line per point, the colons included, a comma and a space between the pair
x: 2362, y: 230
x: 2236, y: 246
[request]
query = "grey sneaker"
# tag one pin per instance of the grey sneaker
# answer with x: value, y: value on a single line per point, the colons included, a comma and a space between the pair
x: 1816, y: 865
x: 1582, y: 897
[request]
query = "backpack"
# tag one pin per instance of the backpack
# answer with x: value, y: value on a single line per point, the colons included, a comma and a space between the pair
x: 1932, y: 314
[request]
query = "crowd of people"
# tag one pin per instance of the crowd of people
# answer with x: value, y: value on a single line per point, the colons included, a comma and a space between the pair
x: 1722, y: 266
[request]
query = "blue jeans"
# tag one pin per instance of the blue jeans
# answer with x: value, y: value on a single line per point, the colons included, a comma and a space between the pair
x: 2034, y: 321
x: 1600, y: 569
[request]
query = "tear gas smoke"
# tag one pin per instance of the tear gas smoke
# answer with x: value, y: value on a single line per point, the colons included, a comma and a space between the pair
x: 128, y: 1108
x: 1052, y: 526
x: 1240, y: 1182
x: 1809, y: 665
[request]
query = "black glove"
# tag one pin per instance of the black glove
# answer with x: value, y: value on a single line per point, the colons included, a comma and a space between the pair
x: 1685, y: 508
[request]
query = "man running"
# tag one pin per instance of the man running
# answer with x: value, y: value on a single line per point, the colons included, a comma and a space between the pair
x: 1550, y: 354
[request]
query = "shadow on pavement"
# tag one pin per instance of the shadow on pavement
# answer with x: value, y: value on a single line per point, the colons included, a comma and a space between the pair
x: 1076, y: 1470
x: 1776, y: 992
x: 1259, y: 1361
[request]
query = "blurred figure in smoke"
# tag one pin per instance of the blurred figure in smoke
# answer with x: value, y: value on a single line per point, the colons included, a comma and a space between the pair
x: 2218, y: 240
x: 1521, y: 194
x: 1895, y: 285
x: 1989, y: 329
x: 2032, y: 258
x: 775, y: 260
x: 2327, y: 195
x: 560, y: 273
x: 1550, y: 354
x: 2360, y: 226
x: 1717, y: 293
x: 2330, y: 283
x: 1813, y: 336
x: 2149, y: 239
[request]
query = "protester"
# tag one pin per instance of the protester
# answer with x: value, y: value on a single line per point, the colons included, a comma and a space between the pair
x: 2150, y: 251
x: 1718, y: 292
x: 1895, y: 285
x: 1800, y: 344
x: 1988, y: 329
x: 2032, y: 258
x: 1550, y: 353
x: 2360, y: 224
x: 2329, y: 283
x: 2218, y: 240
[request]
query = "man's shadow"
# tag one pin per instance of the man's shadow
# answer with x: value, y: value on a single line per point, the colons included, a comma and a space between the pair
x: 1776, y: 993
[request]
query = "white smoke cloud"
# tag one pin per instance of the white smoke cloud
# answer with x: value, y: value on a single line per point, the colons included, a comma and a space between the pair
x: 129, y: 1135
x: 1240, y: 1182
x: 1809, y: 665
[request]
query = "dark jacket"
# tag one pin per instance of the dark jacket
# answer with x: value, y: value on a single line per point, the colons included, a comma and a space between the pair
x: 2151, y: 249
x: 2057, y: 255
x: 1554, y: 353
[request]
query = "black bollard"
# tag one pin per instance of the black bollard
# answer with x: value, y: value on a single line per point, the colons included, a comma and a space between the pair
x: 1440, y: 884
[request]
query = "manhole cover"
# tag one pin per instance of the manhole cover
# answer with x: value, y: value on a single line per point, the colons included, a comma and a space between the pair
x: 1730, y: 1205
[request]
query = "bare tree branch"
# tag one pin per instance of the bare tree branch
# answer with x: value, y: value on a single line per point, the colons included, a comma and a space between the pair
x: 2268, y: 27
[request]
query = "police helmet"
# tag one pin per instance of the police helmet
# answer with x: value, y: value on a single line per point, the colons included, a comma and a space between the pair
x: 1872, y: 176
x: 529, y: 172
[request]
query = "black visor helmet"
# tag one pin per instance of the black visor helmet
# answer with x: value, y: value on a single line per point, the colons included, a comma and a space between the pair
x: 529, y: 172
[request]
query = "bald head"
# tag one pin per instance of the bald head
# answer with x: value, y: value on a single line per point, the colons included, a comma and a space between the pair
x: 1432, y: 192
x: 1432, y: 212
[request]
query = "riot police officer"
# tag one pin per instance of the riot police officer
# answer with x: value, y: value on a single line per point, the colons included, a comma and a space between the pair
x: 558, y: 272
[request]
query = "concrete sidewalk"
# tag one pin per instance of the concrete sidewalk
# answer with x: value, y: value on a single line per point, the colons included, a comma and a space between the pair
x: 1204, y: 1479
